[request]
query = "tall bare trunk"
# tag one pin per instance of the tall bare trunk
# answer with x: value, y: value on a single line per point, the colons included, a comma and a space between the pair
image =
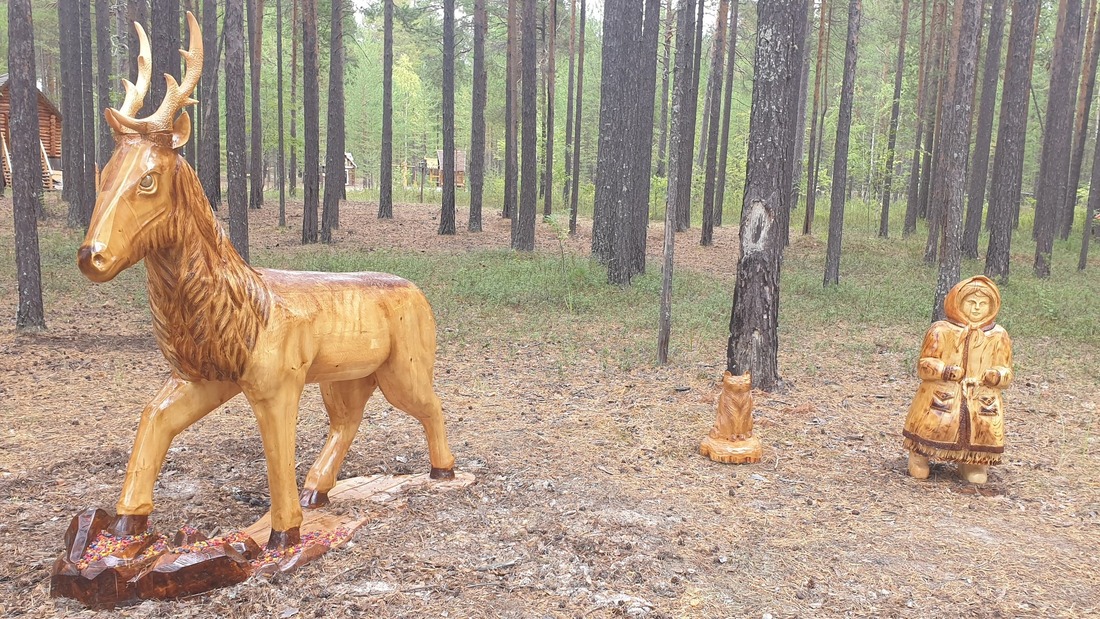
x: 840, y: 159
x: 256, y: 151
x: 1081, y: 123
x: 715, y: 105
x: 895, y: 111
x: 723, y: 154
x: 477, y: 120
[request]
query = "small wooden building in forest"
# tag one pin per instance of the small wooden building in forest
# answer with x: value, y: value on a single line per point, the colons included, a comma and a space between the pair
x: 49, y: 137
x: 435, y: 168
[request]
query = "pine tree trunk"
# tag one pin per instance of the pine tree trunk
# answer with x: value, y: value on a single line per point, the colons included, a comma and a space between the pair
x: 979, y: 161
x: 103, y: 85
x: 681, y: 103
x: 577, y: 126
x: 933, y: 107
x: 335, y: 176
x: 644, y: 61
x: 72, y: 112
x: 551, y: 77
x: 137, y: 11
x: 235, y: 144
x: 256, y: 150
x: 913, y: 188
x: 210, y: 156
x: 385, y: 174
x: 686, y: 159
x: 1054, y: 162
x: 815, y: 126
x: 727, y: 107
x: 954, y: 142
x: 477, y: 120
x: 796, y: 99
x: 1081, y: 123
x: 311, y: 112
x: 165, y: 43
x: 754, y: 342
x: 25, y: 161
x: 1091, y: 208
x: 1008, y: 157
x: 840, y: 159
x: 295, y: 25
x: 715, y: 106
x: 800, y: 128
x: 87, y: 80
x: 447, y: 215
x: 569, y: 171
x: 895, y: 111
x: 511, y: 156
x: 666, y: 72
x: 279, y: 98
x: 704, y: 130
x: 523, y: 223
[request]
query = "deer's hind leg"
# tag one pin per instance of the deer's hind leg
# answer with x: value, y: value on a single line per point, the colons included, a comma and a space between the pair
x: 407, y: 384
x: 344, y: 401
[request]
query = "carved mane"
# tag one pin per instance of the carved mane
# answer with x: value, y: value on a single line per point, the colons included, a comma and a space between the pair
x: 208, y: 304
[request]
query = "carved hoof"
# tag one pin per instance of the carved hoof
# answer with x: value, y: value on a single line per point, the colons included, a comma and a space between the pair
x: 918, y: 466
x: 128, y: 525
x: 284, y: 539
x: 312, y: 499
x: 442, y: 473
x: 745, y: 451
x: 974, y: 473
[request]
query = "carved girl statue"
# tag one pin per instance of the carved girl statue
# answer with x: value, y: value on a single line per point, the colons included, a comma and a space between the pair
x: 965, y: 361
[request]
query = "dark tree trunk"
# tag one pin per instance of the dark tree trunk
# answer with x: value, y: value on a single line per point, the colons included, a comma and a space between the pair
x: 979, y: 161
x: 577, y: 127
x: 666, y: 72
x: 72, y: 112
x: 1008, y: 158
x: 796, y: 99
x: 637, y: 198
x: 954, y: 142
x: 295, y: 25
x: 680, y: 140
x: 165, y: 43
x: 511, y: 156
x: 895, y: 111
x: 235, y: 144
x: 569, y: 104
x: 551, y: 76
x: 477, y: 120
x: 686, y: 159
x: 334, y: 148
x: 754, y: 341
x: 612, y: 169
x: 815, y: 126
x: 911, y: 208
x: 87, y: 80
x: 523, y: 224
x: 727, y: 107
x: 279, y: 98
x: 800, y: 128
x: 715, y: 104
x: 256, y: 150
x: 103, y: 85
x: 934, y: 80
x: 137, y: 11
x: 1054, y: 163
x: 1091, y: 207
x: 311, y: 121
x: 1081, y: 123
x: 447, y: 165
x: 840, y: 159
x: 25, y: 163
x: 708, y: 96
x: 385, y: 173
x: 210, y: 156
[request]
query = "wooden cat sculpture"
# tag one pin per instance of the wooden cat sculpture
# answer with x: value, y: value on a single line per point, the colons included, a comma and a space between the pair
x: 965, y: 362
x: 731, y: 439
x: 227, y: 328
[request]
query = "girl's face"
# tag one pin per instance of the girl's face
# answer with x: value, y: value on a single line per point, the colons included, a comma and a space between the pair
x: 977, y: 307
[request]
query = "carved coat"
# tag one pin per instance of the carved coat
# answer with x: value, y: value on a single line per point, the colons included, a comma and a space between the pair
x: 958, y: 413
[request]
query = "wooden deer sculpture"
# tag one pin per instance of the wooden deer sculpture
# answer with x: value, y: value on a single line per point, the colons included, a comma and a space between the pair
x: 227, y: 328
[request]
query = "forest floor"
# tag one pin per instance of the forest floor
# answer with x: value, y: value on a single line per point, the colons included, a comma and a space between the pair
x: 591, y: 499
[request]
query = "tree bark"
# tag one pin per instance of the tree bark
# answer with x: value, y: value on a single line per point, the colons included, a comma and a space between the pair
x: 979, y: 161
x: 727, y: 107
x: 385, y: 174
x: 913, y: 192
x: 256, y: 151
x: 895, y: 111
x: 800, y: 128
x: 551, y: 77
x: 1054, y: 162
x: 234, y: 126
x: 569, y: 104
x: 511, y: 156
x: 26, y: 177
x: 934, y: 80
x: 1091, y: 207
x: 103, y: 86
x: 311, y: 121
x: 447, y: 165
x: 1008, y: 158
x: 679, y: 142
x: 294, y: 28
x: 666, y: 60
x: 715, y: 89
x: 87, y: 79
x: 840, y: 158
x: 279, y: 99
x: 815, y: 126
x: 523, y: 224
x: 686, y: 159
x: 954, y: 142
x: 754, y: 342
x: 477, y: 120
x: 577, y: 127
x: 72, y: 112
x: 210, y: 157
x: 1081, y: 123
x: 645, y: 63
x: 165, y: 43
x: 334, y: 148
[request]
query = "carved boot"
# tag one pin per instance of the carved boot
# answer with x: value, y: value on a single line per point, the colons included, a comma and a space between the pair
x: 918, y: 465
x: 974, y: 473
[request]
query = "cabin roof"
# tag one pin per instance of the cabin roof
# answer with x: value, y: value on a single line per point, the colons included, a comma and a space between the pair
x: 41, y: 97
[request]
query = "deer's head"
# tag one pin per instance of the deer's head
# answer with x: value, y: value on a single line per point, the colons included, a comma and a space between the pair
x: 136, y: 203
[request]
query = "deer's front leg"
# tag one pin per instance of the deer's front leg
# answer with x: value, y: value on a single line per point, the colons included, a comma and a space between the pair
x: 179, y: 404
x: 276, y: 409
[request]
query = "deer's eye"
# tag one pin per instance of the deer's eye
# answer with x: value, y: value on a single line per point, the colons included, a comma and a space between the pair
x: 147, y: 182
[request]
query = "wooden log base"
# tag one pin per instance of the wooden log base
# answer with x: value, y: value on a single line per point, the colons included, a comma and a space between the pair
x: 745, y: 451
x: 102, y: 571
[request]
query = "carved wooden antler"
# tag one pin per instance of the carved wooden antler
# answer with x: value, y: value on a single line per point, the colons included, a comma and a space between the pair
x: 135, y: 95
x: 177, y: 96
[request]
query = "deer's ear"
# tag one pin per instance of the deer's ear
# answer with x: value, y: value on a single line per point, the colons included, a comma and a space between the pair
x: 181, y: 130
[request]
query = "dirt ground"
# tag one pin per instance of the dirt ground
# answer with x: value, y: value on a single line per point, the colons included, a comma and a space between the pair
x: 591, y: 499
